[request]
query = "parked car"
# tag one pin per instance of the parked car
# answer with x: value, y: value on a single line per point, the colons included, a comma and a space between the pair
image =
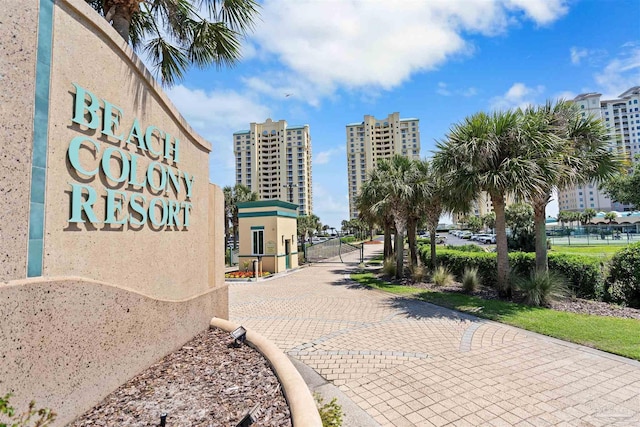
x: 487, y: 238
x: 466, y: 234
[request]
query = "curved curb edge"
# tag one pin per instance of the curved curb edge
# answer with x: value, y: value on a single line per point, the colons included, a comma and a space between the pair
x: 301, y: 403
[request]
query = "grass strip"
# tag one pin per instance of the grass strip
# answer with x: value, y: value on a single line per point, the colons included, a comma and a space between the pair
x: 610, y: 334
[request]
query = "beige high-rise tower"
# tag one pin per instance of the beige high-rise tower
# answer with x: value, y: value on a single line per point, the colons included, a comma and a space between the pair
x: 374, y: 139
x: 621, y: 117
x: 274, y: 160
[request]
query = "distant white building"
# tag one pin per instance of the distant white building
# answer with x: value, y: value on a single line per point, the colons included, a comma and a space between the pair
x: 621, y: 116
x: 374, y: 139
x: 274, y: 160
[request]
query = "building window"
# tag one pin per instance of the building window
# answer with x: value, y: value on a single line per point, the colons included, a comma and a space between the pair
x: 257, y: 240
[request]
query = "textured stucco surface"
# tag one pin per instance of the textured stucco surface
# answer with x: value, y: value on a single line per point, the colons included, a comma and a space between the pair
x: 111, y: 301
x: 69, y: 342
x: 17, y: 78
x: 163, y: 263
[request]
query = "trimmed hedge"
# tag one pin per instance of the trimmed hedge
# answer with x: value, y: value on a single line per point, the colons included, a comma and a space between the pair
x: 585, y: 275
x: 624, y: 278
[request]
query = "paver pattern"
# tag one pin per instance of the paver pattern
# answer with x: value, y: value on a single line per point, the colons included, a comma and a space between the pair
x: 410, y: 363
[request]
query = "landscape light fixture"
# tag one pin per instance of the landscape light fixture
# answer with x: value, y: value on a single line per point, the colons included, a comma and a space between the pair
x: 250, y: 417
x: 239, y: 335
x: 163, y: 419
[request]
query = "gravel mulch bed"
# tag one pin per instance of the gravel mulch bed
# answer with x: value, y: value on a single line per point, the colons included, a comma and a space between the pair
x: 204, y: 383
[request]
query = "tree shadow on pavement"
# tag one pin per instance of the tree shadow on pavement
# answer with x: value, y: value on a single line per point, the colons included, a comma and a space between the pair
x: 413, y: 308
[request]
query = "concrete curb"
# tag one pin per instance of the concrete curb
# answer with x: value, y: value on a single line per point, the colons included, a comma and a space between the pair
x: 304, y: 412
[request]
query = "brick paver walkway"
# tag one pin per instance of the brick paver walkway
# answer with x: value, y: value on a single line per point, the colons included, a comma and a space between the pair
x: 409, y: 363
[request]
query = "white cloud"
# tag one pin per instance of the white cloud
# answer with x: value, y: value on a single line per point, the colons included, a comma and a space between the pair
x: 216, y: 115
x: 543, y: 12
x: 362, y: 45
x: 518, y: 96
x: 443, y: 89
x: 324, y: 157
x: 577, y: 54
x: 620, y: 73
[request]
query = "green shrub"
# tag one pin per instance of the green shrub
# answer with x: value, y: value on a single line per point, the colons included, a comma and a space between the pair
x: 348, y: 239
x: 470, y: 279
x: 584, y: 275
x: 44, y: 415
x: 389, y: 267
x: 465, y: 248
x: 442, y: 276
x: 542, y: 288
x: 330, y: 413
x: 623, y: 283
x: 421, y: 241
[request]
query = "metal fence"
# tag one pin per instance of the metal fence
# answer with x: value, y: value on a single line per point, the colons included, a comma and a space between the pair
x: 331, y: 248
x: 601, y: 234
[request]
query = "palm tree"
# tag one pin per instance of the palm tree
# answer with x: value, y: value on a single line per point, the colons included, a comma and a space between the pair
x: 587, y: 216
x: 369, y: 203
x: 306, y: 224
x: 394, y: 192
x: 487, y: 153
x: 570, y: 150
x: 238, y: 194
x: 610, y: 216
x: 434, y: 200
x: 176, y: 33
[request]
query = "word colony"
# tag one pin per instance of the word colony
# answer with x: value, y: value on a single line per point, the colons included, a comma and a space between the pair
x: 157, y: 178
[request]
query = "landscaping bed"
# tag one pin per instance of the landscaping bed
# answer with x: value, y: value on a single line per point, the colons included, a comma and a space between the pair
x: 204, y: 383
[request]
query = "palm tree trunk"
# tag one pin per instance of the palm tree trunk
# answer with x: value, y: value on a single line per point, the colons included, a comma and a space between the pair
x: 119, y: 12
x: 399, y: 253
x: 388, y: 249
x: 432, y: 236
x: 235, y: 234
x: 501, y: 246
x: 411, y: 236
x: 539, y: 223
x: 400, y: 222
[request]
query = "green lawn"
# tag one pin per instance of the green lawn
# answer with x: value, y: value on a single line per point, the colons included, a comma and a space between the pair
x: 614, y: 335
x: 604, y: 251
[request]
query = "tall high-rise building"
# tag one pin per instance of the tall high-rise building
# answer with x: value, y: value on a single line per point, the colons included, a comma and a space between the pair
x: 621, y: 117
x: 274, y: 160
x: 372, y: 140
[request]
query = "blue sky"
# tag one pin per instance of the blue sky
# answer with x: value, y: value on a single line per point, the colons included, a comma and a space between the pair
x: 439, y: 61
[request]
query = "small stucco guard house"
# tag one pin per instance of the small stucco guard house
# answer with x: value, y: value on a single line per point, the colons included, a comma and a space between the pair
x: 268, y: 232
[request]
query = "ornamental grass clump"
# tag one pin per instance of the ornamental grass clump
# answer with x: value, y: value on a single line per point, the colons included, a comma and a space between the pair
x: 442, y: 276
x: 418, y: 273
x: 389, y: 267
x: 470, y: 279
x: 542, y: 288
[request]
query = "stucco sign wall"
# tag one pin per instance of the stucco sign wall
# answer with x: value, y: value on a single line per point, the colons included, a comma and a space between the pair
x: 112, y: 234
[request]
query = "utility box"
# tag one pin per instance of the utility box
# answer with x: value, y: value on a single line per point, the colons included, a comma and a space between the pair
x: 267, y: 231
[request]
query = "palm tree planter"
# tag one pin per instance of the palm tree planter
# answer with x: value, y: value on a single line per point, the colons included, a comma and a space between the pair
x: 570, y: 150
x: 490, y: 153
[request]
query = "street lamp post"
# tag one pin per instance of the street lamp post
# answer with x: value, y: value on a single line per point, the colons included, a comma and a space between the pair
x: 290, y: 187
